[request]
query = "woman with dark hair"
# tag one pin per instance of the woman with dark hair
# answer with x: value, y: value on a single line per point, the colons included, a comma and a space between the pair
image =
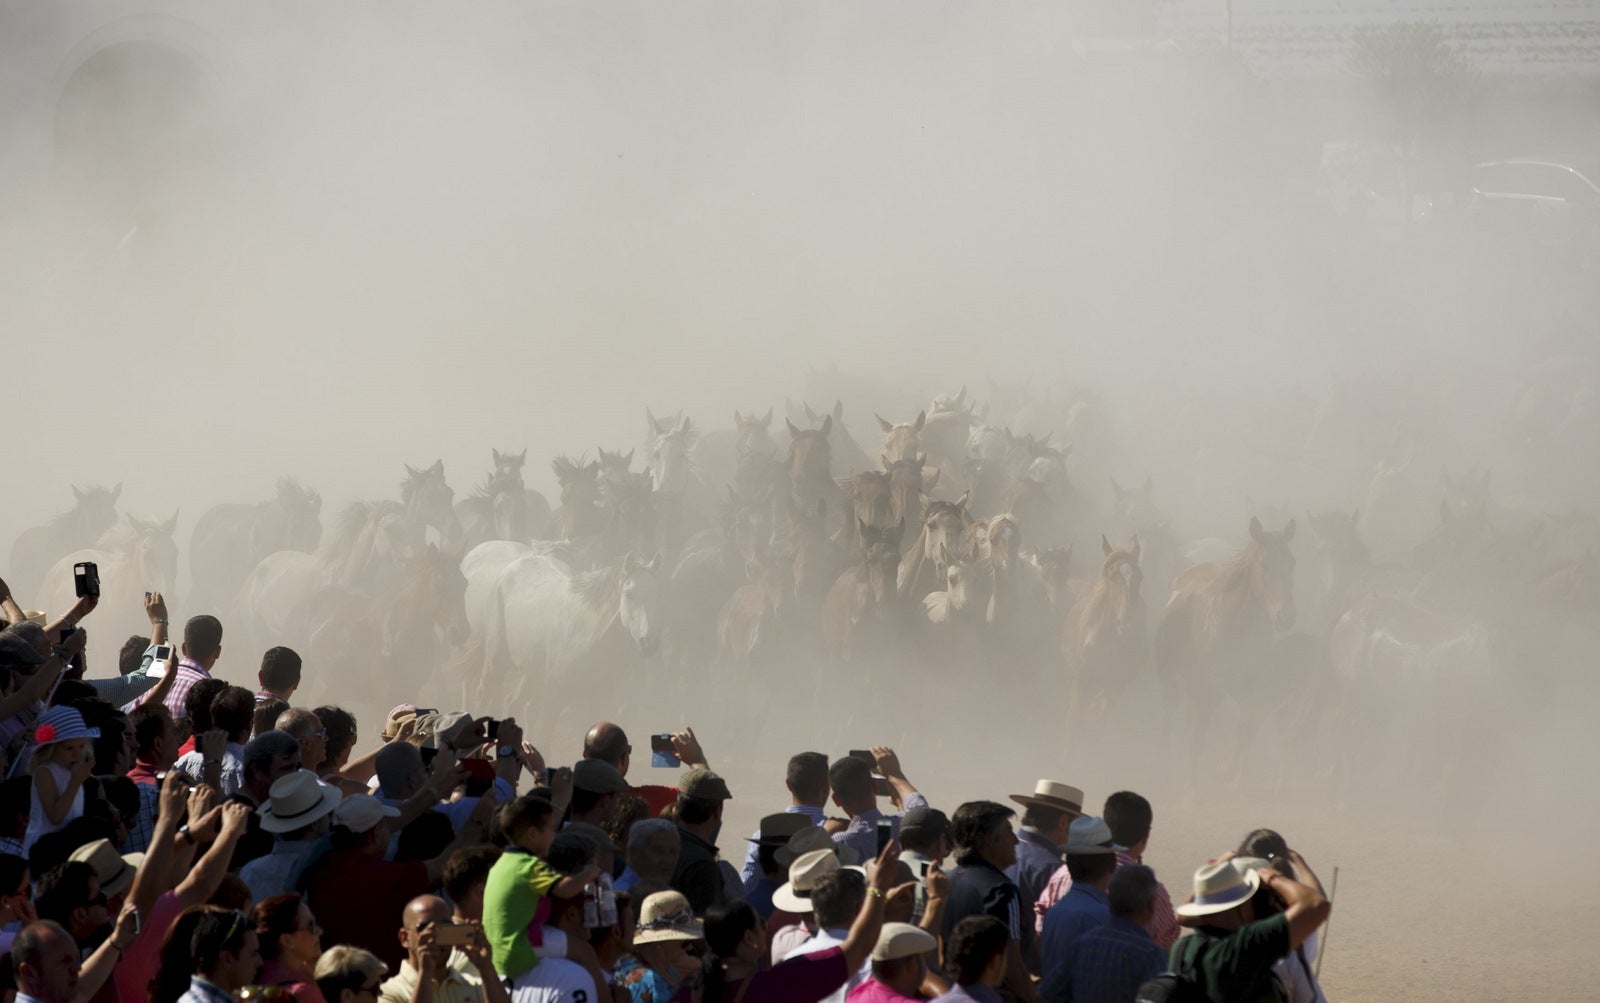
x: 336, y: 767
x: 291, y: 942
x: 1293, y: 972
x: 737, y: 939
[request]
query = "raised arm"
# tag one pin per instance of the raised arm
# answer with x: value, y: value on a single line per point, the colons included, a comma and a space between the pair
x: 869, y: 921
x: 889, y: 766
x: 8, y: 604
x: 203, y: 881
x: 155, y: 607
x: 155, y: 872
x: 1306, y: 909
x: 98, y: 966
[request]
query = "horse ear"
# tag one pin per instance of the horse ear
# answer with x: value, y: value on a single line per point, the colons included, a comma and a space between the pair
x: 629, y: 563
x: 794, y: 433
x: 1256, y: 532
x: 78, y: 495
x: 652, y: 427
x: 766, y: 419
x: 411, y: 471
x: 1133, y: 545
x: 827, y: 425
x: 1105, y: 545
x: 171, y: 525
x: 655, y: 563
x: 738, y: 419
x: 433, y: 549
x: 961, y: 398
x: 838, y: 410
x: 1288, y: 532
x: 886, y: 426
x: 522, y: 457
x: 922, y: 419
x: 961, y: 503
x: 496, y: 453
x: 628, y: 460
x: 922, y: 460
x: 437, y: 468
x: 116, y: 492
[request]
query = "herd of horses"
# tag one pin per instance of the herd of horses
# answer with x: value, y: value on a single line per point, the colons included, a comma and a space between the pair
x: 953, y: 555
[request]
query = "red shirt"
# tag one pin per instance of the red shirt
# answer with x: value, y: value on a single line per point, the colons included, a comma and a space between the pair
x: 358, y: 898
x: 806, y: 978
x: 144, y: 773
x: 142, y: 959
x: 657, y: 797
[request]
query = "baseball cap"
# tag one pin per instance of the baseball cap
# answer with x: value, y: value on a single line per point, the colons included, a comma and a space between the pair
x: 598, y: 777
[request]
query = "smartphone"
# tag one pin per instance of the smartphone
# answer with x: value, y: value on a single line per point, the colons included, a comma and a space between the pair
x: 158, y: 664
x: 66, y: 632
x: 138, y: 924
x: 491, y: 729
x: 86, y: 579
x: 865, y: 754
x: 661, y: 752
x: 885, y: 834
x: 922, y: 870
x: 549, y: 776
x: 452, y: 935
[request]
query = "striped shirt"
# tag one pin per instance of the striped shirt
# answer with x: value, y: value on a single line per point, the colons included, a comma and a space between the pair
x: 861, y: 835
x: 189, y: 673
x: 1164, y: 926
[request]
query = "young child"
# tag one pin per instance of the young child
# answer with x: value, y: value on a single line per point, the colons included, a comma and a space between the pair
x: 514, y: 898
x: 62, y: 760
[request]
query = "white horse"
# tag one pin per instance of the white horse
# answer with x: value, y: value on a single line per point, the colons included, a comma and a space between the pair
x: 133, y: 558
x: 571, y: 633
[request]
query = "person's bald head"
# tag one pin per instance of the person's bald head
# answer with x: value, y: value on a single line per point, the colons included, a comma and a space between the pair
x: 306, y: 728
x: 423, y: 913
x: 400, y: 769
x: 608, y: 743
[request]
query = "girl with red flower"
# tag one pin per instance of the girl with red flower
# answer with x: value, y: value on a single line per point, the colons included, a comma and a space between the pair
x: 62, y: 760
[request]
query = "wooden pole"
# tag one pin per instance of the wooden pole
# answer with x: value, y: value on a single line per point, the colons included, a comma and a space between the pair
x: 1322, y: 943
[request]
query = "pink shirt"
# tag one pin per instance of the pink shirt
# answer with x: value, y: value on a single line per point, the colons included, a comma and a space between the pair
x: 142, y: 959
x: 1164, y: 928
x: 873, y: 991
x: 1054, y: 891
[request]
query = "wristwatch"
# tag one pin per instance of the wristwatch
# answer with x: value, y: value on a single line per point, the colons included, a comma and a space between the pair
x: 506, y: 751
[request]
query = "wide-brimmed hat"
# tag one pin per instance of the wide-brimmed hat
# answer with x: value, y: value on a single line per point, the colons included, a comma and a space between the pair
x: 61, y: 724
x: 397, y: 717
x: 598, y: 777
x: 666, y: 916
x: 1218, y: 888
x: 1050, y: 794
x: 902, y: 940
x: 113, y: 870
x: 360, y: 812
x: 703, y: 784
x: 1089, y: 834
x: 441, y: 731
x: 924, y: 818
x: 297, y: 800
x: 777, y: 829
x: 812, y: 838
x: 794, y: 895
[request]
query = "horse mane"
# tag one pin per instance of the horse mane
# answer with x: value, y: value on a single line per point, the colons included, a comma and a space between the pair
x: 350, y: 525
x: 290, y: 489
x: 598, y: 588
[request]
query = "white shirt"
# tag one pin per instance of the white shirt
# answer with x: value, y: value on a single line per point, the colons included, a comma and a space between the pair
x: 555, y: 980
x: 821, y: 942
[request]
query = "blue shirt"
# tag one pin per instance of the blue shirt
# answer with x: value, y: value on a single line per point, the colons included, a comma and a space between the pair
x: 1037, y: 860
x: 1107, y: 964
x: 861, y: 835
x: 750, y: 873
x: 1082, y: 909
x: 971, y: 994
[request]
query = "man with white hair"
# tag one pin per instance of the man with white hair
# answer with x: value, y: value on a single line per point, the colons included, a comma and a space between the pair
x: 652, y: 853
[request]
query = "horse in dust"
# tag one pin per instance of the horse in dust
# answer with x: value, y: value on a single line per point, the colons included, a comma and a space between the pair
x: 1104, y: 639
x: 579, y: 514
x: 1424, y: 689
x: 752, y: 625
x: 135, y: 557
x: 809, y: 463
x: 1216, y: 634
x: 401, y: 641
x: 576, y: 636
x: 870, y: 508
x: 944, y: 434
x: 909, y: 486
x: 94, y: 511
x: 500, y: 508
x: 845, y: 454
x: 1343, y: 564
x: 713, y: 563
x: 902, y: 442
x: 924, y: 568
x: 862, y: 614
x: 674, y: 486
x: 428, y: 503
x: 1054, y: 565
x: 229, y: 540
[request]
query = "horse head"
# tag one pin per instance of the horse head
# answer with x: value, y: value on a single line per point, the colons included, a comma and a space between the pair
x: 508, y: 469
x: 1054, y: 564
x: 429, y: 500
x: 901, y: 442
x: 639, y: 601
x: 957, y: 573
x: 751, y: 436
x: 943, y: 523
x: 152, y: 551
x: 1122, y: 578
x: 439, y: 589
x: 951, y: 403
x: 1272, y: 576
x: 669, y: 455
x: 748, y: 524
x: 883, y: 569
x: 302, y: 515
x: 95, y: 509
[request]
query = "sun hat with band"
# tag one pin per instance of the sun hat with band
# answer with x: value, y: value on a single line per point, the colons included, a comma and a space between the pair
x: 1089, y: 835
x: 794, y: 895
x: 61, y: 724
x: 1053, y: 795
x: 1218, y: 888
x: 902, y: 940
x: 297, y: 800
x: 666, y: 916
x: 113, y: 870
x: 398, y: 717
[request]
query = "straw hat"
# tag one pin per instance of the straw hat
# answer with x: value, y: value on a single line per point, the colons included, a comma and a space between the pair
x: 1050, y: 794
x: 113, y: 870
x: 666, y: 916
x: 296, y: 800
x: 1218, y: 888
x: 902, y: 940
x: 794, y: 895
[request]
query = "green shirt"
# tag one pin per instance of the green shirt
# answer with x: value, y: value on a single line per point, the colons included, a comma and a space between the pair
x: 1236, y: 967
x: 511, y: 897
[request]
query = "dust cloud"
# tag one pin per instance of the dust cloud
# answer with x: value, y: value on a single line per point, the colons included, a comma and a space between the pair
x: 238, y: 245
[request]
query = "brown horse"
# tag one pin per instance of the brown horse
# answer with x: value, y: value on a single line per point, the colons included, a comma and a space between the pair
x: 861, y: 614
x: 93, y: 513
x: 1054, y: 564
x: 229, y: 540
x: 1103, y: 641
x: 580, y: 497
x: 909, y: 484
x: 871, y: 505
x: 1217, y: 630
x: 901, y: 442
x: 808, y: 464
x: 429, y: 502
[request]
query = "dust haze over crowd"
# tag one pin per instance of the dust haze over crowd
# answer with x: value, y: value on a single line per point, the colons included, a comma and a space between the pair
x: 326, y: 244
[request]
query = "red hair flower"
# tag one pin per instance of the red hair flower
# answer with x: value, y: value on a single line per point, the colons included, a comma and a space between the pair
x: 44, y: 734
